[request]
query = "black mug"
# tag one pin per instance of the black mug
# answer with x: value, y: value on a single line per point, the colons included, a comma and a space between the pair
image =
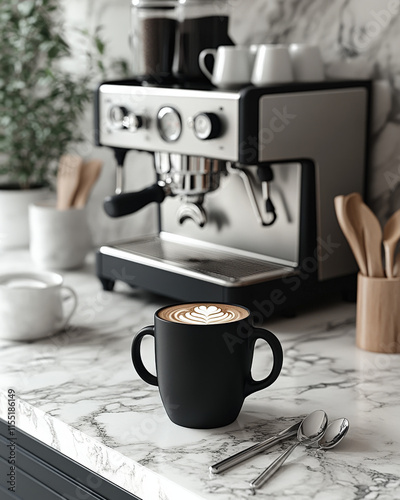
x: 203, y: 354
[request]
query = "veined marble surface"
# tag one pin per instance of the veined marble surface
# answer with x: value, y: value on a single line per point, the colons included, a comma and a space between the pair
x: 79, y: 393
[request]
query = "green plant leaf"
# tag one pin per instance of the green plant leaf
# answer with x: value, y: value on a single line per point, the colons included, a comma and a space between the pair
x: 41, y: 102
x: 100, y: 45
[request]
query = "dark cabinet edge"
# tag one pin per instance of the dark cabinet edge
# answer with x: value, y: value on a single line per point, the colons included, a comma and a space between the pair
x: 53, y: 462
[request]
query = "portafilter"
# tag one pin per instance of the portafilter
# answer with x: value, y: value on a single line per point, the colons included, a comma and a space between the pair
x: 190, y: 177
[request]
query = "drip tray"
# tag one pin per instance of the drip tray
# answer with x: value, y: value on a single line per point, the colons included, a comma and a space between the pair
x: 200, y: 262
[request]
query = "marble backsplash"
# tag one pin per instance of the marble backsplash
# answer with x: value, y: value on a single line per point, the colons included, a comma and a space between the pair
x: 357, y: 38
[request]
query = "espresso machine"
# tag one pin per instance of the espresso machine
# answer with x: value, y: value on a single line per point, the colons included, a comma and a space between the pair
x: 244, y: 182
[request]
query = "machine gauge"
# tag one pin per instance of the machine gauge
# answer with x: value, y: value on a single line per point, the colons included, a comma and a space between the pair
x: 169, y: 124
x: 206, y: 126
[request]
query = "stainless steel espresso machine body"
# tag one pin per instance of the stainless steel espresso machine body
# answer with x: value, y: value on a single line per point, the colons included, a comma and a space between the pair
x: 244, y: 181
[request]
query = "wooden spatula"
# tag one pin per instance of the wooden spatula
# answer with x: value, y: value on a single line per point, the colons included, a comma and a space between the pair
x: 69, y: 172
x: 372, y: 240
x: 89, y: 175
x: 396, y: 267
x: 391, y: 236
x: 352, y: 228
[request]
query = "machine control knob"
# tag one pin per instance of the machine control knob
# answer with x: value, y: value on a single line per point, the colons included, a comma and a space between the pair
x: 132, y: 122
x: 117, y: 116
x: 207, y: 126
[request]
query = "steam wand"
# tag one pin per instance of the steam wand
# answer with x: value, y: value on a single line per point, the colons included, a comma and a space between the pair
x: 120, y: 155
x: 266, y: 175
x: 245, y: 176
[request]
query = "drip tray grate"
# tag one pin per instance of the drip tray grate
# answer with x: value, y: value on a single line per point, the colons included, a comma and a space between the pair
x: 214, y: 265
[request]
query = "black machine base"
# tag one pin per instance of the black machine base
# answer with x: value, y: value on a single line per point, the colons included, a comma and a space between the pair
x: 277, y: 296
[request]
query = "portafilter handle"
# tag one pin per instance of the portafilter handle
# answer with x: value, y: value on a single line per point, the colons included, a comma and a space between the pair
x: 129, y: 203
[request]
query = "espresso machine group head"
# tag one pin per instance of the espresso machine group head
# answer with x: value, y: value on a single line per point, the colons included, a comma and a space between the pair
x: 244, y: 182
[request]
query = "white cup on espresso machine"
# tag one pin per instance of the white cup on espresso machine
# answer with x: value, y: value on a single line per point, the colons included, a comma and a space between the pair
x: 232, y: 65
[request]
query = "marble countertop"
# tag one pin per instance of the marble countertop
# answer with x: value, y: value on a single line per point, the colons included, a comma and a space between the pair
x: 79, y: 393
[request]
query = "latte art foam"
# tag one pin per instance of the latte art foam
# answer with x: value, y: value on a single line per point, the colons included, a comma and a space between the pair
x: 203, y: 314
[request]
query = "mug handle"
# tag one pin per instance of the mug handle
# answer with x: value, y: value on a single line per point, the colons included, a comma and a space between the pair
x: 202, y: 61
x: 137, y: 358
x: 252, y: 385
x: 74, y: 297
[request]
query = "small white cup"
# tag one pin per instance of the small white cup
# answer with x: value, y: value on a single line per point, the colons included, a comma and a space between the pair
x: 59, y: 239
x: 306, y: 63
x: 232, y: 65
x: 272, y: 65
x: 253, y: 53
x: 31, y: 305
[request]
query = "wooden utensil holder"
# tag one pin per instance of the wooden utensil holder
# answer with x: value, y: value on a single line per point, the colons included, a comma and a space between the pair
x: 378, y: 314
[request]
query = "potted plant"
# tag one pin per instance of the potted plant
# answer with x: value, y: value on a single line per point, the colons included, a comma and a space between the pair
x: 41, y: 105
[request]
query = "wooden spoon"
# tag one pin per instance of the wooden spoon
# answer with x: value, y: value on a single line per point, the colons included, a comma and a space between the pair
x: 351, y: 228
x: 372, y: 232
x: 89, y: 175
x: 396, y: 267
x: 69, y: 171
x: 391, y: 236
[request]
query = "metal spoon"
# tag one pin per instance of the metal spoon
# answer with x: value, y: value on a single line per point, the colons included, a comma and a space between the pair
x: 243, y: 455
x: 391, y: 236
x: 334, y: 433
x: 311, y: 429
